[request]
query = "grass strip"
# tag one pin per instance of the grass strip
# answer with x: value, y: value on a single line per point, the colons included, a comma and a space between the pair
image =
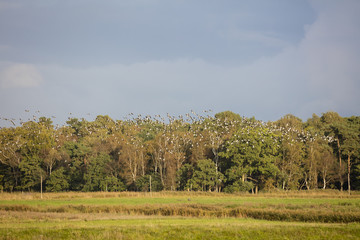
x: 198, y: 210
x: 178, y: 228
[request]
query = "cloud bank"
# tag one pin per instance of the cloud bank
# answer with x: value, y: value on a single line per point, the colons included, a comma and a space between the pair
x: 20, y: 76
x: 319, y: 73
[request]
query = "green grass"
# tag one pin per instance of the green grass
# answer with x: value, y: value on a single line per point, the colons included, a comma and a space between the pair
x: 156, y: 198
x: 174, y: 215
x: 176, y: 228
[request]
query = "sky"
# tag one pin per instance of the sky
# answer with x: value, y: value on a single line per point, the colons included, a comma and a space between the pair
x: 261, y: 58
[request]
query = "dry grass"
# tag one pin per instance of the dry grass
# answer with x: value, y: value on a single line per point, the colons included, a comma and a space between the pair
x: 174, y: 228
x: 165, y: 194
x: 14, y: 216
x: 321, y: 214
x: 306, y: 206
x: 180, y: 215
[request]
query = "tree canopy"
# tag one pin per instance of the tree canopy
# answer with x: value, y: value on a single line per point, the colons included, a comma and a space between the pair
x: 224, y: 152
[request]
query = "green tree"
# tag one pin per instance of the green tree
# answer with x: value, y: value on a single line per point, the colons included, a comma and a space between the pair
x: 205, y: 176
x: 149, y: 183
x: 334, y: 125
x: 252, y: 152
x: 58, y: 181
x: 76, y: 162
x: 215, y: 132
x: 327, y: 165
x: 33, y: 174
x: 351, y: 144
x: 292, y: 151
x: 184, y: 175
x: 96, y: 173
x: 112, y: 184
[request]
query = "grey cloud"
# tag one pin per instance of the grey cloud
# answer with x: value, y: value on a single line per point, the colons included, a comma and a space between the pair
x: 175, y: 70
x: 20, y: 75
x: 90, y: 33
x: 331, y: 55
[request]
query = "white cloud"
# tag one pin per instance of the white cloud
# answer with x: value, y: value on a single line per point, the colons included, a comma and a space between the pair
x: 175, y: 87
x: 20, y: 76
x: 331, y: 55
x: 265, y: 38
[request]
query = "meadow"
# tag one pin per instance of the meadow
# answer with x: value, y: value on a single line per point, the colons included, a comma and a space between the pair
x: 180, y: 215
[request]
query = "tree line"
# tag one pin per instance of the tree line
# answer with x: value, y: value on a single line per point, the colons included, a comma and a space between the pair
x: 225, y: 152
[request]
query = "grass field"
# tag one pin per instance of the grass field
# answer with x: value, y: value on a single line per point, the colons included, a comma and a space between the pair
x: 180, y: 215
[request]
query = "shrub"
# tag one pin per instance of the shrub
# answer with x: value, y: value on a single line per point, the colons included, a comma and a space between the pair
x: 239, y: 186
x: 143, y: 183
x: 112, y: 184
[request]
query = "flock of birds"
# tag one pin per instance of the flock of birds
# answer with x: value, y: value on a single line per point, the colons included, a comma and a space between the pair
x: 202, y: 127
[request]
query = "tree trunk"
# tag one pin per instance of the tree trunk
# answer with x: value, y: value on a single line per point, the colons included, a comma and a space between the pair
x: 341, y: 184
x: 340, y: 175
x: 15, y: 176
x: 324, y: 174
x: 349, y: 166
x: 307, y: 182
x: 150, y: 183
x: 216, y: 157
x: 41, y: 186
x: 161, y: 175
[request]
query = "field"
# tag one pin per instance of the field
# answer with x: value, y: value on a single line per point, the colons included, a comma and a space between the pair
x: 180, y: 215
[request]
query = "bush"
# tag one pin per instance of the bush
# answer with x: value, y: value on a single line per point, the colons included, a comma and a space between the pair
x: 239, y: 186
x: 143, y: 183
x: 112, y: 184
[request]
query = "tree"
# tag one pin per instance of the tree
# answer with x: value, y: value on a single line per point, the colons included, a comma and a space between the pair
x: 216, y: 131
x: 178, y: 147
x: 112, y: 183
x: 333, y: 125
x: 184, y: 175
x: 58, y: 181
x: 252, y: 152
x: 96, y: 174
x: 327, y: 165
x: 76, y: 162
x: 32, y: 173
x: 159, y: 152
x: 39, y: 139
x: 205, y: 176
x: 132, y: 154
x: 11, y: 143
x: 195, y: 153
x: 292, y: 151
x: 351, y: 144
x: 149, y: 183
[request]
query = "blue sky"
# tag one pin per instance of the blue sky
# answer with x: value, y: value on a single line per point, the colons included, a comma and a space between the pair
x: 262, y: 58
